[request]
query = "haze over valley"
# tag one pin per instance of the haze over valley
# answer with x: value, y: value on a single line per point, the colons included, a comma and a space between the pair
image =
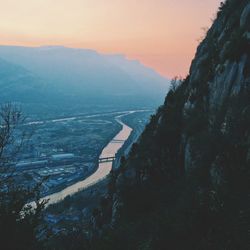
x: 71, y: 100
x: 70, y: 78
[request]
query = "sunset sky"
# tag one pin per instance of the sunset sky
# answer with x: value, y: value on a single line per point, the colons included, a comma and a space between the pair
x: 161, y: 34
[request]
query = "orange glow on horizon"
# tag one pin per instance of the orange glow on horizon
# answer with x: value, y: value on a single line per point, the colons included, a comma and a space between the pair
x: 161, y: 34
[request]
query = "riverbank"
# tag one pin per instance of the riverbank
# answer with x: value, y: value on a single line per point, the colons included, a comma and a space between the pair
x: 80, y: 207
x: 103, y: 169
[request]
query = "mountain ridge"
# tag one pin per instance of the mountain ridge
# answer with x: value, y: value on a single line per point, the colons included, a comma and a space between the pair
x: 87, y: 76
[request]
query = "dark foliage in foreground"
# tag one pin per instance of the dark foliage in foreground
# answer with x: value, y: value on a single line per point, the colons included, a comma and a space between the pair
x: 19, y: 224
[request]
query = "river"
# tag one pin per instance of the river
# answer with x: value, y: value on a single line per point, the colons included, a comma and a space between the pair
x: 103, y: 169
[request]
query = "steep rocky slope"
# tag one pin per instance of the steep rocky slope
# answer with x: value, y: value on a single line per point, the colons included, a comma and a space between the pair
x: 186, y: 182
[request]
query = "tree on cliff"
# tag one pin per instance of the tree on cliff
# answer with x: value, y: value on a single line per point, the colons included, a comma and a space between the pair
x: 18, y: 223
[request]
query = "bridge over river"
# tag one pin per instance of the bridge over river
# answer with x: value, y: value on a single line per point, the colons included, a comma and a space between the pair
x: 105, y: 164
x: 106, y: 159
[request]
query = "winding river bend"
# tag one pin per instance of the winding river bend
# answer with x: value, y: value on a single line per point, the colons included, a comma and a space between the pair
x: 103, y: 169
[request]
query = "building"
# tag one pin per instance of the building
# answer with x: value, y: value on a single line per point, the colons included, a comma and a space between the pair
x: 60, y: 157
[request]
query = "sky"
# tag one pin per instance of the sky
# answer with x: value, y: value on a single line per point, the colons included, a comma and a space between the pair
x: 162, y: 34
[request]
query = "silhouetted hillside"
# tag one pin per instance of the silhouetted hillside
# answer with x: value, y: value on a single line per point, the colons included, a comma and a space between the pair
x: 185, y: 184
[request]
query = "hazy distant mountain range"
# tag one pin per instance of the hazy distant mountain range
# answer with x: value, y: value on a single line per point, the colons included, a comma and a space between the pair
x: 65, y: 75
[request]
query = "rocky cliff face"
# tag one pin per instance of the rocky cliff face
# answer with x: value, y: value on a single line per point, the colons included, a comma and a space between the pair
x: 219, y: 73
x: 185, y: 184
